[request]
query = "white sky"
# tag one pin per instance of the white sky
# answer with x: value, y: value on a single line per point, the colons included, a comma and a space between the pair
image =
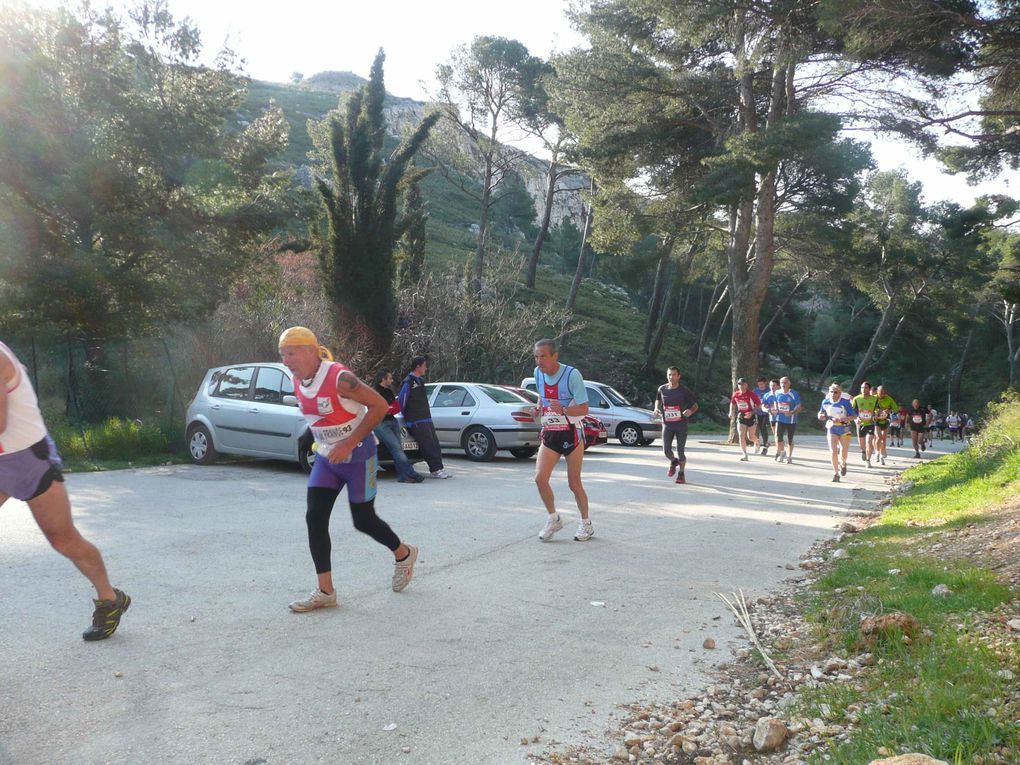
x: 309, y: 36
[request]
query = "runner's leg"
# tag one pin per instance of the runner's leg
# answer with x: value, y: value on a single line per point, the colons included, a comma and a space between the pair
x: 547, y: 459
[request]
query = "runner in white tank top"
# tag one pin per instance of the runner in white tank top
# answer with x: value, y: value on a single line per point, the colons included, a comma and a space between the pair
x: 30, y: 471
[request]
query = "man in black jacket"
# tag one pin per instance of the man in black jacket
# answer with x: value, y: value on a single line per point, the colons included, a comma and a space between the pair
x: 414, y: 403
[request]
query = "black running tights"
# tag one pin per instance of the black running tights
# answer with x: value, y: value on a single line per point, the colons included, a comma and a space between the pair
x: 320, y: 506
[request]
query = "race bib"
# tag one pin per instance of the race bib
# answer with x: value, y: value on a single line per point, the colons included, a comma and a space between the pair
x: 324, y: 405
x: 553, y: 420
x: 867, y: 415
x: 835, y: 412
x: 744, y: 406
x: 672, y: 414
x: 917, y: 419
x: 784, y: 406
x: 332, y: 434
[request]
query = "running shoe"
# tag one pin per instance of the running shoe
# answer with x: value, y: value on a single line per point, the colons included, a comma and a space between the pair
x: 318, y: 599
x: 441, y: 473
x: 552, y: 524
x: 917, y: 455
x: 869, y: 463
x: 106, y: 617
x: 414, y: 478
x: 403, y: 570
x: 680, y: 477
x: 744, y: 458
x: 672, y: 468
x: 922, y: 446
x: 864, y: 457
x: 882, y: 460
x: 765, y: 449
x: 584, y: 531
x: 789, y: 460
x: 835, y: 477
x: 842, y: 469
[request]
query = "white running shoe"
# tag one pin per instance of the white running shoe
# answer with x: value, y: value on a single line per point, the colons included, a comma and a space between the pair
x: 318, y: 599
x: 403, y: 570
x: 744, y: 458
x: 585, y: 531
x: 789, y: 460
x: 441, y: 473
x: 552, y: 524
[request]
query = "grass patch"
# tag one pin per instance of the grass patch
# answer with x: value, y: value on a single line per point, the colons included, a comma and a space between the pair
x: 944, y: 694
x: 117, y: 443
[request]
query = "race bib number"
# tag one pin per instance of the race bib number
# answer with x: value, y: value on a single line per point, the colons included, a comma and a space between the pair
x: 835, y: 412
x: 672, y: 414
x: 784, y: 407
x: 744, y: 406
x: 867, y: 415
x: 917, y: 419
x: 554, y: 420
x: 332, y: 434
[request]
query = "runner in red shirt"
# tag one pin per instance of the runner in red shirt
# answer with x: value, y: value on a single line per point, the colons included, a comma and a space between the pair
x: 744, y: 404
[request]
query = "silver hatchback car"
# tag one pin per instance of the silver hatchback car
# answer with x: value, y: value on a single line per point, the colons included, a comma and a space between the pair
x: 250, y: 409
x: 481, y: 419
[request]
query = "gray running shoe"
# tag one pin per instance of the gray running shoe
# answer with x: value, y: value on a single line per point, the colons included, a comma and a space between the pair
x: 835, y: 477
x: 403, y: 570
x: 552, y: 524
x: 441, y: 473
x: 318, y: 599
x: 585, y: 531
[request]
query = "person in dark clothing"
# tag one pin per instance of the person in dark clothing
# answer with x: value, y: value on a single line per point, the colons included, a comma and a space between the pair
x: 414, y: 403
x: 675, y: 404
x: 388, y: 431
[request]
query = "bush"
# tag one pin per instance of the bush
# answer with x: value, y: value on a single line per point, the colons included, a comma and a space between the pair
x: 114, y: 439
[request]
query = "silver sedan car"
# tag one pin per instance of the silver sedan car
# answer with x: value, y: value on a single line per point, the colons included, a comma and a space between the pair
x: 482, y: 419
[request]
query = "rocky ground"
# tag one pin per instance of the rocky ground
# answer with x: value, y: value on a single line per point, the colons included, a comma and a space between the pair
x: 748, y: 715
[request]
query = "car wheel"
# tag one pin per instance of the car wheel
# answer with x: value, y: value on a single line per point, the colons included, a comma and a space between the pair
x: 524, y: 452
x: 479, y: 444
x: 629, y: 434
x: 306, y: 457
x: 647, y: 441
x: 200, y: 445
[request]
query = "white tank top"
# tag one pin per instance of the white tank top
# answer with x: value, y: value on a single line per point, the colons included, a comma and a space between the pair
x: 25, y: 424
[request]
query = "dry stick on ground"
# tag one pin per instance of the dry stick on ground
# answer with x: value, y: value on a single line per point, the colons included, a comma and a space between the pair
x: 739, y: 609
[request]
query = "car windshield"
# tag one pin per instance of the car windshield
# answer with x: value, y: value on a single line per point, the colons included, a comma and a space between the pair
x: 502, y: 395
x: 614, y: 396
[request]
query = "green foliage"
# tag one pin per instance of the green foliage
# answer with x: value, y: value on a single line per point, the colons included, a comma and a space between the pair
x: 116, y: 441
x: 362, y: 226
x: 129, y: 194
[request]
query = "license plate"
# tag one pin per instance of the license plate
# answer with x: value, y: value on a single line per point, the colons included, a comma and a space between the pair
x: 409, y: 446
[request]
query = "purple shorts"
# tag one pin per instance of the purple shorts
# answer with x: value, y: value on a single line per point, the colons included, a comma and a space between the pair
x: 358, y: 475
x: 27, y: 473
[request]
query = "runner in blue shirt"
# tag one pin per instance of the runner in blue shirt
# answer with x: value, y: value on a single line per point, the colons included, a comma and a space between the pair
x: 837, y: 413
x: 787, y: 404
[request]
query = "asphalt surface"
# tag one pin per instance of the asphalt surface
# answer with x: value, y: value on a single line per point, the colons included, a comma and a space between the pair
x: 498, y: 638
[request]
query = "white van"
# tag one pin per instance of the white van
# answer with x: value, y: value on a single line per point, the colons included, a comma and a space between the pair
x: 631, y: 424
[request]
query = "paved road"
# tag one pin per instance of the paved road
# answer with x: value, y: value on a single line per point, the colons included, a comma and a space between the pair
x: 498, y: 637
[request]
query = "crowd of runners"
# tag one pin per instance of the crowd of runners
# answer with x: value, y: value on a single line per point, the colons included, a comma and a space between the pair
x: 343, y: 414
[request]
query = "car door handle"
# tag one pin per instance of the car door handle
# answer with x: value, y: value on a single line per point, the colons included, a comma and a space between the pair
x: 254, y: 410
x: 465, y: 412
x: 214, y: 406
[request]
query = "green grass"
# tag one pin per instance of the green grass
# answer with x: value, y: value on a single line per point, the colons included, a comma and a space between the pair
x: 117, y: 443
x: 942, y: 694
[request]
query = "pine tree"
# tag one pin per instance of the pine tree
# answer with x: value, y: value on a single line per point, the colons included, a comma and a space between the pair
x: 362, y: 225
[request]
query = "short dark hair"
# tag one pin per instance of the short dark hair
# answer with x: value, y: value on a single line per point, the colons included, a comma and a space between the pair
x: 547, y: 343
x: 671, y: 369
x: 417, y: 361
x: 762, y: 378
x: 774, y: 380
x: 381, y: 375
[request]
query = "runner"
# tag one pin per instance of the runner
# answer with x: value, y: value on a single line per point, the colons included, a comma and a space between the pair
x: 837, y: 413
x: 675, y: 404
x: 30, y: 471
x: 788, y: 405
x: 953, y: 421
x: 886, y: 409
x: 342, y: 412
x: 933, y: 414
x: 894, y: 426
x: 866, y: 404
x: 744, y: 403
x: 940, y: 426
x: 762, y: 413
x: 904, y: 423
x: 917, y: 419
x: 562, y: 407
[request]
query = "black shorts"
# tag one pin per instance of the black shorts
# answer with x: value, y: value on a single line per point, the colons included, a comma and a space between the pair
x: 866, y: 430
x: 787, y: 429
x: 562, y: 441
x: 894, y: 429
x: 882, y: 424
x: 749, y: 422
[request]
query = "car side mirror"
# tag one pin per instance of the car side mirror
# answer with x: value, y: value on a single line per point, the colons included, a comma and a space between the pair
x: 290, y: 400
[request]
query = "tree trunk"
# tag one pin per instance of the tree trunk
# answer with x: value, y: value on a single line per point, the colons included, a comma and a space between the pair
x: 779, y: 312
x: 718, y: 342
x: 956, y: 382
x: 669, y: 306
x: 1010, y: 318
x: 543, y: 229
x: 659, y: 288
x: 483, y: 223
x: 575, y: 285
